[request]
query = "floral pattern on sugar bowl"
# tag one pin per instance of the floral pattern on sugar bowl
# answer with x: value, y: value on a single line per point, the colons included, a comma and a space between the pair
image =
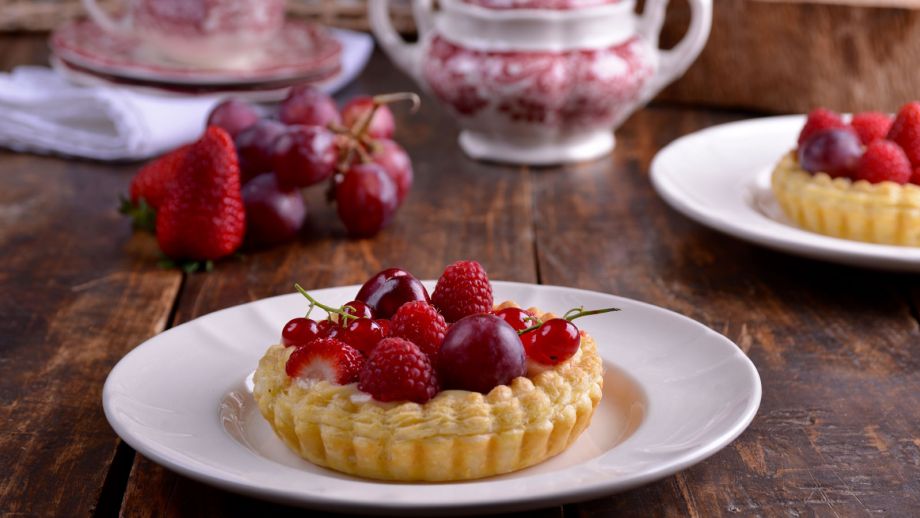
x: 541, y: 81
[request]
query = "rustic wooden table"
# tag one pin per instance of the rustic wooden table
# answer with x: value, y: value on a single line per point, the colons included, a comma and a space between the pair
x: 838, y: 349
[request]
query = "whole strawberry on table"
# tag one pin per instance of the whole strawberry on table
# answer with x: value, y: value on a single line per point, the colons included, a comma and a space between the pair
x: 241, y: 182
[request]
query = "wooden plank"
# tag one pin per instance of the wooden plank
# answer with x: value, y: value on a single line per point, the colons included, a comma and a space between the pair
x: 837, y: 348
x: 78, y: 292
x: 458, y: 209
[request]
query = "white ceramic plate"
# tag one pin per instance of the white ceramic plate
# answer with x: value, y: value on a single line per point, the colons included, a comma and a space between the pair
x: 720, y: 177
x: 675, y: 392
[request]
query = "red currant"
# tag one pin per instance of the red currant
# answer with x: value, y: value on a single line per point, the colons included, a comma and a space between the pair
x: 299, y: 331
x: 358, y: 309
x: 328, y: 329
x: 364, y: 333
x: 519, y: 319
x: 552, y: 343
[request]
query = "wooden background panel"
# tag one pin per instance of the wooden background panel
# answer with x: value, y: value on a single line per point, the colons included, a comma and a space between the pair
x: 837, y: 348
x: 458, y: 209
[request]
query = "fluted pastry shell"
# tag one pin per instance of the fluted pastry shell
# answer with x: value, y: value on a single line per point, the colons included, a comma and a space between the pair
x: 457, y: 435
x: 885, y: 213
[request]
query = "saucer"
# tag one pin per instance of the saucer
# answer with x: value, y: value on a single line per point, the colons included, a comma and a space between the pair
x: 300, y: 49
x: 270, y: 91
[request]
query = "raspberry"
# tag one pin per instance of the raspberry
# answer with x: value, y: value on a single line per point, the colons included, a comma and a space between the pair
x: 915, y: 179
x: 905, y: 131
x: 871, y: 126
x: 398, y: 370
x: 820, y: 119
x: 327, y: 359
x: 421, y: 324
x: 462, y: 290
x: 884, y: 161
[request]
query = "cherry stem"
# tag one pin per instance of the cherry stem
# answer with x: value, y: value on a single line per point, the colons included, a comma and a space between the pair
x: 328, y: 309
x: 570, y: 315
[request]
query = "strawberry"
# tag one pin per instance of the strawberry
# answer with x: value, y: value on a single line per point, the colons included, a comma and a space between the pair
x: 148, y: 188
x: 884, y: 161
x: 327, y: 359
x: 906, y: 131
x: 915, y: 178
x: 820, y: 119
x: 462, y: 290
x: 201, y: 217
x: 398, y: 370
x: 420, y: 323
x: 871, y: 126
x: 152, y: 181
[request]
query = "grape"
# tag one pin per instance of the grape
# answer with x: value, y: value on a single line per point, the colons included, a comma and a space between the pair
x: 395, y: 161
x: 256, y: 145
x: 304, y: 156
x: 308, y: 106
x: 234, y: 115
x: 272, y: 215
x: 832, y: 151
x: 366, y: 199
x: 386, y: 291
x: 479, y: 353
x: 382, y: 125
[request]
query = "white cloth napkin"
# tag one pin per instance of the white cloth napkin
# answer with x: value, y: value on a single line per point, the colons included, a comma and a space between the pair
x: 41, y: 112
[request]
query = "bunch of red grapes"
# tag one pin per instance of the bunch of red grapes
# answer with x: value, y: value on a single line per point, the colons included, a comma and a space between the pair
x: 308, y: 142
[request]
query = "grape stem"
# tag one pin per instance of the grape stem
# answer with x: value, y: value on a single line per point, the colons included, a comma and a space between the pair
x: 571, y: 315
x: 328, y: 309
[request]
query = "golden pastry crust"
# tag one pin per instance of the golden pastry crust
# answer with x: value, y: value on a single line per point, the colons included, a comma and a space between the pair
x: 885, y: 213
x: 458, y: 435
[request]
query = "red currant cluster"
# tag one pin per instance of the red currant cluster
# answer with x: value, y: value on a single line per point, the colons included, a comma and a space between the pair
x: 308, y: 143
x: 551, y: 342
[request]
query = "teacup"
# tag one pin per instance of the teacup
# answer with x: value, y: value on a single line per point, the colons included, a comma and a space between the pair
x: 212, y: 33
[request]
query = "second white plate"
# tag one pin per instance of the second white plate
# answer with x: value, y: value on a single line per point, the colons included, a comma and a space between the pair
x: 720, y: 177
x: 675, y: 392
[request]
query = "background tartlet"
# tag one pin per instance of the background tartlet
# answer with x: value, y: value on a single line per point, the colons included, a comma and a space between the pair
x: 885, y: 213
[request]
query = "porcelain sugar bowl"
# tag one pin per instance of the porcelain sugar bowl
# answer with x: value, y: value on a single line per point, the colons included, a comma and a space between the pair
x: 541, y: 81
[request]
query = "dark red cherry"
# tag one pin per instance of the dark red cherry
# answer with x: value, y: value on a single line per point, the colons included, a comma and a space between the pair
x: 479, y: 353
x: 386, y: 291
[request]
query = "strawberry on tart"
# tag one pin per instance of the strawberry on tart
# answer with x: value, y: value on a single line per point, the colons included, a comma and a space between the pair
x: 397, y: 385
x: 856, y: 180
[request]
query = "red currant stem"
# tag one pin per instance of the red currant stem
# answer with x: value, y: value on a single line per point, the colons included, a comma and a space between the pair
x: 399, y: 96
x: 580, y: 312
x: 570, y: 315
x: 328, y: 309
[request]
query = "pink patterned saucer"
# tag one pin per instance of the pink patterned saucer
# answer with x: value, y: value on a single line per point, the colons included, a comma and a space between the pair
x: 269, y: 91
x: 301, y: 49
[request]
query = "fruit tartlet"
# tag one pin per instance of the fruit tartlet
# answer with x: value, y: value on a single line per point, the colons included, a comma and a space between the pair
x: 857, y: 180
x: 397, y: 385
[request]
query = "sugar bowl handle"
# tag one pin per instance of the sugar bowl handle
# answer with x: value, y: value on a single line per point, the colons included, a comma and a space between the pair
x: 105, y: 20
x: 406, y: 56
x: 674, y: 62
